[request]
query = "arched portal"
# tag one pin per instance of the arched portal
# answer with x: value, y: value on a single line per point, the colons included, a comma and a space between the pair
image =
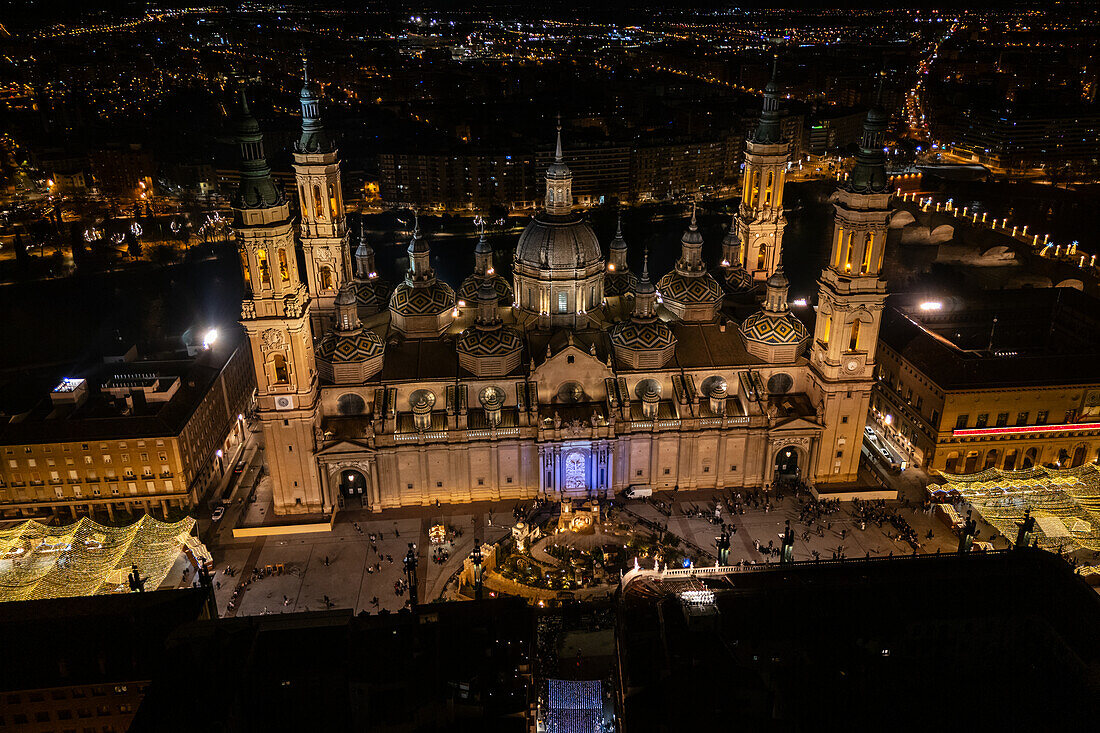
x: 353, y: 487
x: 786, y: 464
x: 576, y: 473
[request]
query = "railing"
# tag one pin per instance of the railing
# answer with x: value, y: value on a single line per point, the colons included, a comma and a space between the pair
x: 638, y: 573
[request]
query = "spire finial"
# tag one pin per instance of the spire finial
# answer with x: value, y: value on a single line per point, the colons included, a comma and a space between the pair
x: 244, y: 101
x: 775, y: 65
x: 619, y: 225
x: 305, y: 68
x: 557, y: 151
x: 878, y: 91
x: 694, y: 225
x: 416, y: 224
x: 645, y: 265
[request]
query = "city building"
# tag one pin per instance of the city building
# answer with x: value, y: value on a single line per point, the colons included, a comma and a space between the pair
x: 568, y: 390
x: 1028, y: 137
x: 129, y: 435
x: 1024, y: 617
x: 1003, y: 379
x: 85, y: 663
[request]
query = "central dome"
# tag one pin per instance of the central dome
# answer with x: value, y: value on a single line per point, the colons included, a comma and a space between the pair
x: 552, y: 242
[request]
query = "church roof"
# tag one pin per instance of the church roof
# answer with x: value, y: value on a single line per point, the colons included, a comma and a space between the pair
x: 700, y: 289
x: 430, y: 300
x: 336, y: 347
x: 619, y: 283
x: 373, y: 293
x: 491, y: 342
x: 639, y: 336
x: 468, y: 290
x: 775, y: 330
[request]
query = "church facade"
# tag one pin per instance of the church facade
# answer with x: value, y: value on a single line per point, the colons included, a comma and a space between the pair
x: 577, y: 378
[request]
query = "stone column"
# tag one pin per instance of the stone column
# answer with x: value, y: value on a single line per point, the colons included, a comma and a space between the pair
x: 720, y: 460
x: 376, y: 489
x: 541, y: 467
x: 164, y: 508
x: 111, y: 511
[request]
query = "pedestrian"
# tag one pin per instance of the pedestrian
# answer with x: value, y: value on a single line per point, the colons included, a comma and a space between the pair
x: 326, y: 561
x: 380, y: 536
x: 286, y: 601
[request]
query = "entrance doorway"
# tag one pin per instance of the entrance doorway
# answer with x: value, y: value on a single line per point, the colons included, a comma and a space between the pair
x: 353, y: 488
x: 786, y: 464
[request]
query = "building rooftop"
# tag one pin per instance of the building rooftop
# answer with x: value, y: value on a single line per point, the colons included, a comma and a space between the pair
x: 127, y: 399
x: 997, y: 339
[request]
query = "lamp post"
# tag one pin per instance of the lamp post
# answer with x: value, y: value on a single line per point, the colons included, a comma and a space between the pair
x: 787, y: 554
x: 722, y: 542
x: 410, y: 573
x: 966, y: 537
x: 476, y: 557
x: 1026, y: 531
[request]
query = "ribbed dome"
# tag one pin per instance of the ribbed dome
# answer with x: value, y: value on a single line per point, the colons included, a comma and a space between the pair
x: 373, y: 293
x: 737, y: 278
x: 558, y: 243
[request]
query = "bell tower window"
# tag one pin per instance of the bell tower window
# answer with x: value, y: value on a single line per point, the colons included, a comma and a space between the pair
x: 284, y: 266
x: 325, y: 276
x: 245, y: 270
x: 261, y: 261
x: 332, y: 202
x: 853, y: 342
x: 318, y: 203
x: 279, y: 371
x: 868, y: 247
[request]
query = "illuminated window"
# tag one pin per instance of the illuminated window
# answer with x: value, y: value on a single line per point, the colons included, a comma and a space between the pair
x: 261, y: 260
x: 853, y: 342
x: 760, y: 253
x: 325, y: 276
x: 563, y: 302
x: 305, y: 201
x: 284, y: 267
x: 332, y: 202
x: 245, y: 270
x: 868, y: 246
x: 826, y: 328
x: 755, y: 188
x: 769, y: 188
x: 839, y: 245
x: 318, y: 203
x: 280, y: 373
x: 848, y: 254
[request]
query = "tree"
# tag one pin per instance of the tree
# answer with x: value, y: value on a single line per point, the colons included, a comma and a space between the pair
x: 76, y: 241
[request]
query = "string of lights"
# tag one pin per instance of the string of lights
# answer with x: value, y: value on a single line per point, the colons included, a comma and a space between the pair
x: 87, y: 558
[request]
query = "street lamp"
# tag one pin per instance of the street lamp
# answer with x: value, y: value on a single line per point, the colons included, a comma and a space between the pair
x: 476, y: 557
x: 410, y: 573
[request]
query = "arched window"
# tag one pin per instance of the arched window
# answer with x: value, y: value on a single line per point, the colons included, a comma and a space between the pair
x: 563, y: 302
x: 318, y: 203
x: 839, y: 246
x: 826, y: 328
x: 760, y: 254
x: 853, y: 341
x: 279, y: 372
x: 755, y: 188
x: 325, y: 276
x: 848, y: 254
x: 333, y: 204
x: 245, y: 270
x: 868, y: 247
x: 284, y: 267
x: 769, y: 188
x: 304, y: 200
x: 261, y: 261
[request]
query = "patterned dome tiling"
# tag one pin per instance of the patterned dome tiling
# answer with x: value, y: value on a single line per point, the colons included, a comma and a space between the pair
x: 468, y: 290
x: 774, y: 330
x: 427, y: 301
x: 340, y: 348
x: 702, y: 290
x: 495, y: 342
x: 373, y: 293
x: 619, y: 283
x: 641, y: 336
x: 738, y: 280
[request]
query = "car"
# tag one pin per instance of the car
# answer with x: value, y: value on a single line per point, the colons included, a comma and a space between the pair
x: 239, y: 468
x: 218, y: 514
x: 638, y: 492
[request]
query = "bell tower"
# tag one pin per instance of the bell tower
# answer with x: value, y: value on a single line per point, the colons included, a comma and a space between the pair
x: 323, y: 225
x: 760, y: 220
x: 850, y: 299
x: 275, y: 314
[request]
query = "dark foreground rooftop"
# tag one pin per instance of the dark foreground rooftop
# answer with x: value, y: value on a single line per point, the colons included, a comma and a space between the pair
x: 994, y: 642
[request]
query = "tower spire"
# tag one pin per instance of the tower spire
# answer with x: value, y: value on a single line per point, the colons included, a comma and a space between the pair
x: 314, y: 137
x: 557, y: 152
x: 869, y: 173
x: 768, y: 130
x: 257, y: 190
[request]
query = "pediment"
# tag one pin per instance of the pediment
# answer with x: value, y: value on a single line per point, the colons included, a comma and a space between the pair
x: 344, y: 447
x: 795, y: 424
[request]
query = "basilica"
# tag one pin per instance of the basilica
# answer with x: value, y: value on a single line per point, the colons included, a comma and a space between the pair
x: 576, y: 378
